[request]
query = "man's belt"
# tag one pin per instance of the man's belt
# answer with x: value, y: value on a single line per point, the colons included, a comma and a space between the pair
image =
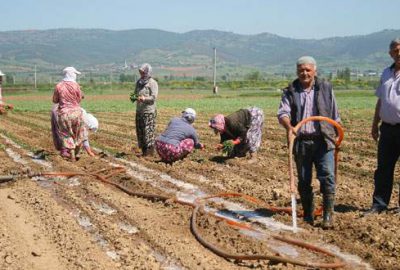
x: 309, y: 137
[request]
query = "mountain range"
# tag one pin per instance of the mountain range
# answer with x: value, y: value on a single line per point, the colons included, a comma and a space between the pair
x: 102, y: 50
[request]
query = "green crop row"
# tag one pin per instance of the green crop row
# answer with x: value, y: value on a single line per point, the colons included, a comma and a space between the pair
x: 202, y: 100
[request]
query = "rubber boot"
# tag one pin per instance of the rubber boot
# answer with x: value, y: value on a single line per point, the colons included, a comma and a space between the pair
x: 144, y: 151
x: 307, y: 201
x: 329, y: 202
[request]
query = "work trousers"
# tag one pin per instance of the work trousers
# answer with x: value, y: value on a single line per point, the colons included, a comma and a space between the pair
x: 388, y: 154
x: 309, y: 152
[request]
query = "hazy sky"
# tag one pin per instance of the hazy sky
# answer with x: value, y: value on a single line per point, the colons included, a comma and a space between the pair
x: 288, y: 18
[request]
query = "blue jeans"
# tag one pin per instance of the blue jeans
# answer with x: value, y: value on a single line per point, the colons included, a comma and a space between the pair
x: 388, y: 154
x: 314, y: 152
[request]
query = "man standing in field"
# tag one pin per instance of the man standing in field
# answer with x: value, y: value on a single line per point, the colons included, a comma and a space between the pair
x: 309, y: 96
x: 387, y: 109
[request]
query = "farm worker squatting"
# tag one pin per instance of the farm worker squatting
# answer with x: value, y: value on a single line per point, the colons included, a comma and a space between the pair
x: 146, y: 92
x: 308, y: 96
x: 3, y: 105
x: 91, y: 124
x: 1, y: 83
x: 68, y: 95
x: 243, y: 128
x: 387, y: 109
x: 179, y: 138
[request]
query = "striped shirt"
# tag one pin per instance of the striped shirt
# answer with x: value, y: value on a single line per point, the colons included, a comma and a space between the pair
x: 309, y: 108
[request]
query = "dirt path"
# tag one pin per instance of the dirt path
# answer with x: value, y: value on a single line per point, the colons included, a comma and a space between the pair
x: 80, y: 223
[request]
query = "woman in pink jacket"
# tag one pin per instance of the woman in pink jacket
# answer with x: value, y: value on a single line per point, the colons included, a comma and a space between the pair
x: 68, y: 95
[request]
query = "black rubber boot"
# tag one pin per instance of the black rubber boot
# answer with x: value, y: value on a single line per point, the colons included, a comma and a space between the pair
x: 329, y: 202
x: 307, y: 201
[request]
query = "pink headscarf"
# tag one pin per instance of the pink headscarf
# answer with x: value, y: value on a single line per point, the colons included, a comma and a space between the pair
x: 218, y: 123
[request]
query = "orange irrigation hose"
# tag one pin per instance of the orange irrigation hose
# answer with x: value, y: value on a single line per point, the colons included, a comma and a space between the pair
x: 222, y: 253
x: 338, y: 263
x: 231, y: 222
x: 340, y: 132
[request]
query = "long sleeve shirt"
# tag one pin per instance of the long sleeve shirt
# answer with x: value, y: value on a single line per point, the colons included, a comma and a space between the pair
x: 178, y: 130
x: 309, y: 108
x: 150, y: 92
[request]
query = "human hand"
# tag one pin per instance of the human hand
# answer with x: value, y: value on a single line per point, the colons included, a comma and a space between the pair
x: 219, y: 146
x: 90, y: 152
x: 235, y: 142
x: 141, y: 98
x: 375, y: 132
x: 290, y: 133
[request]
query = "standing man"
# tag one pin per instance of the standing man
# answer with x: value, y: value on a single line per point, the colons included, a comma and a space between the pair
x: 387, y: 109
x: 309, y: 96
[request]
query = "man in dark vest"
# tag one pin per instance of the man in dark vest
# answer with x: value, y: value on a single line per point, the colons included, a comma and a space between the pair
x: 314, y: 145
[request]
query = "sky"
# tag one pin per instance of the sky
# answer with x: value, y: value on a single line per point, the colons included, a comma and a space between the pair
x: 306, y: 19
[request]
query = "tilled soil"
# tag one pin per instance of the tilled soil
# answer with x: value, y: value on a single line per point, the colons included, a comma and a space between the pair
x: 82, y: 223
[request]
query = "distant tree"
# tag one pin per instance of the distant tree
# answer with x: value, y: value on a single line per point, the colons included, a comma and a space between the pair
x: 344, y: 74
x: 254, y: 76
x: 10, y: 79
x: 200, y: 79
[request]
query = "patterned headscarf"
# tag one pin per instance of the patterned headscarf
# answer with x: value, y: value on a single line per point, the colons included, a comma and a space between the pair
x: 218, y: 123
x: 147, y: 70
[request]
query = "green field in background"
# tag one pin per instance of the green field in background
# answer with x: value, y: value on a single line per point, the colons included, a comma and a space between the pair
x: 201, y: 100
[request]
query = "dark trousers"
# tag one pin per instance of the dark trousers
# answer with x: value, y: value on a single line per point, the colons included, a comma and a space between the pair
x: 388, y: 154
x: 314, y: 152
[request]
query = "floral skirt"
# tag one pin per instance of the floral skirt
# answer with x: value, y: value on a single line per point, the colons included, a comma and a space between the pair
x: 254, y: 133
x: 145, y: 129
x: 71, y: 129
x: 170, y: 153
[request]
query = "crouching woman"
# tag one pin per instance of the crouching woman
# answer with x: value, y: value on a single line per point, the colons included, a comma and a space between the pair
x: 179, y: 138
x: 243, y: 129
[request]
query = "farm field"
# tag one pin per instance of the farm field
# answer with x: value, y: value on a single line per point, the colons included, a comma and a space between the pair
x: 83, y: 223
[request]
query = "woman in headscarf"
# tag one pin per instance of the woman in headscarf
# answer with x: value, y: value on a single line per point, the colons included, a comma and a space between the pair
x: 3, y: 106
x: 242, y: 128
x: 68, y: 95
x: 145, y: 94
x: 91, y: 124
x: 179, y: 139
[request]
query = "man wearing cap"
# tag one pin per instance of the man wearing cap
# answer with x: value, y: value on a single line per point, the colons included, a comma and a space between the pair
x: 387, y: 110
x: 309, y: 96
x: 179, y: 139
x: 68, y: 95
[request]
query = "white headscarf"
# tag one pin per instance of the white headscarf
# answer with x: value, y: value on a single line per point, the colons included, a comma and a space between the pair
x: 189, y: 114
x: 70, y: 74
x: 91, y: 121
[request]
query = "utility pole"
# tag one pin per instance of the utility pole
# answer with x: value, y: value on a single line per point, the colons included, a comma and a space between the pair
x: 215, y: 88
x: 35, y: 78
x: 111, y: 80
